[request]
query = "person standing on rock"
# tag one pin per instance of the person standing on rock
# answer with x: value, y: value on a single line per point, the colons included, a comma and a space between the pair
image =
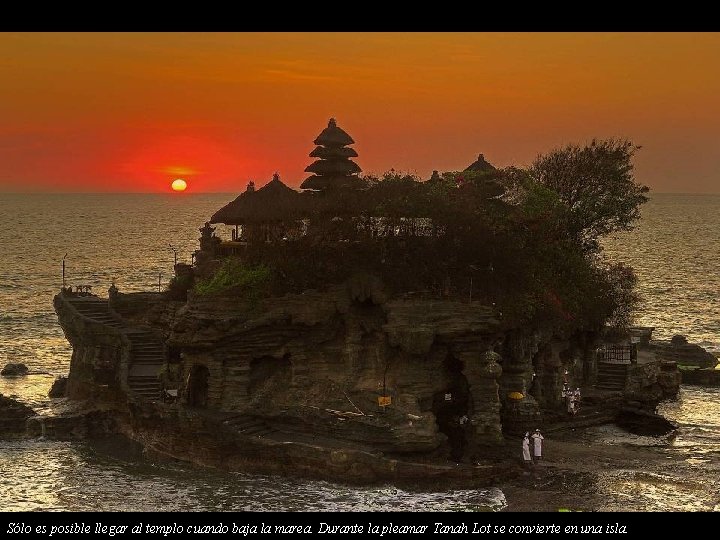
x: 537, y: 444
x: 526, y: 449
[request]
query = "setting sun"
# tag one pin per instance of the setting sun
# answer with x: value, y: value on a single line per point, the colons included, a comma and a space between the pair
x: 179, y: 185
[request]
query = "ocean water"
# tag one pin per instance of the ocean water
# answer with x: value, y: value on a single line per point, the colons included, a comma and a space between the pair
x: 675, y: 251
x: 126, y: 239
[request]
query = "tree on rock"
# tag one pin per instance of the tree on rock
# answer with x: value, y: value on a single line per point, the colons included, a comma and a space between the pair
x: 597, y: 184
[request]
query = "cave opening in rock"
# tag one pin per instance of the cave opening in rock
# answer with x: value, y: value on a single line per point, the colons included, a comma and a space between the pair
x: 197, y: 388
x: 451, y: 406
x: 268, y: 374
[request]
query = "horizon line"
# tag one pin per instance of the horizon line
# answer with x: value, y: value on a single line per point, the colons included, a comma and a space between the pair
x: 182, y: 194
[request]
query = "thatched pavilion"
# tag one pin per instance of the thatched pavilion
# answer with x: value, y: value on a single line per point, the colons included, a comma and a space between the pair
x: 333, y: 169
x: 267, y: 214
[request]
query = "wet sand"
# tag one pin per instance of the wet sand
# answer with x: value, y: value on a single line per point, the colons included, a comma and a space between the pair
x: 589, y: 471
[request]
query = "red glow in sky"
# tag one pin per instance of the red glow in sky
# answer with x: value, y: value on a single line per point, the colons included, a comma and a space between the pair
x: 130, y: 112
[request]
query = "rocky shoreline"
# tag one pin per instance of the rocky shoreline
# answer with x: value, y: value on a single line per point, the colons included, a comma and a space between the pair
x: 324, y: 441
x: 295, y: 413
x: 165, y: 433
x: 701, y: 376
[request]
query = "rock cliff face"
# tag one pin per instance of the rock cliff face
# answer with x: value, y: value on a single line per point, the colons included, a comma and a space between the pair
x: 347, y: 382
x: 99, y: 356
x: 305, y: 359
x: 651, y: 382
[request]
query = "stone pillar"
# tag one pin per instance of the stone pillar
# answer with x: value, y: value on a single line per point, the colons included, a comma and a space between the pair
x: 482, y: 371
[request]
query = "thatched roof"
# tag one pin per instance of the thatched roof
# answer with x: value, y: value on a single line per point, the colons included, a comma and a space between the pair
x: 273, y: 202
x: 323, y: 183
x: 481, y: 165
x: 333, y: 136
x: 328, y: 153
x: 333, y: 167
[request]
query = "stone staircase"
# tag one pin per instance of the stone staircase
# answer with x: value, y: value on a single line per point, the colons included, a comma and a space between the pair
x: 94, y: 308
x: 147, y: 355
x: 611, y: 376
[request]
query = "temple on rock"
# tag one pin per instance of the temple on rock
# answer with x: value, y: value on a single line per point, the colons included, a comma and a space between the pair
x: 350, y: 330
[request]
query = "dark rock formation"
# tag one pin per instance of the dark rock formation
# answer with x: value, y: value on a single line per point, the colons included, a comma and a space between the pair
x: 194, y: 435
x: 347, y: 382
x: 59, y: 387
x: 678, y: 340
x: 669, y: 379
x: 701, y: 377
x: 642, y: 422
x: 14, y: 370
x: 13, y: 416
x: 79, y: 421
x: 298, y: 358
x: 100, y: 355
x: 684, y: 353
x: 652, y: 382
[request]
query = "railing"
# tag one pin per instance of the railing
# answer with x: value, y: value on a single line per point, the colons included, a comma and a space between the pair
x: 80, y: 290
x: 618, y: 354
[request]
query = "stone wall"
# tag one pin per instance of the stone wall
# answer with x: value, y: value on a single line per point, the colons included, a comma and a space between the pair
x: 100, y: 356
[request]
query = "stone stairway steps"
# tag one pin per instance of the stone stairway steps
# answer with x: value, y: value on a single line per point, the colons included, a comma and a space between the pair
x: 147, y: 351
x: 146, y: 387
x: 611, y: 376
x: 95, y: 309
x: 147, y: 359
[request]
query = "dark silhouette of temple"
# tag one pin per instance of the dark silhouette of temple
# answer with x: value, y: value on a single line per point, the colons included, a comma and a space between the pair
x: 333, y: 169
x: 481, y: 165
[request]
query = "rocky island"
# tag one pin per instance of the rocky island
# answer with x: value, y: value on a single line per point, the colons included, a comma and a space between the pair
x: 367, y: 329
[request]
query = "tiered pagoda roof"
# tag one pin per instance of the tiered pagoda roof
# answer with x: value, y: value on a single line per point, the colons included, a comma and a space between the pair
x: 333, y: 169
x: 481, y: 165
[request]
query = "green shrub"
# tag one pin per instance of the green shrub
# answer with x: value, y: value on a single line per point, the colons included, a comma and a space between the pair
x: 238, y: 278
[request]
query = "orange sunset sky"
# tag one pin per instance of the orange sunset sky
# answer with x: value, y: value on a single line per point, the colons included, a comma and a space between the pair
x: 132, y: 111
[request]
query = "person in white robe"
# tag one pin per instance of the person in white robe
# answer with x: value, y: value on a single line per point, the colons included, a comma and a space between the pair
x: 537, y: 444
x: 526, y: 449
